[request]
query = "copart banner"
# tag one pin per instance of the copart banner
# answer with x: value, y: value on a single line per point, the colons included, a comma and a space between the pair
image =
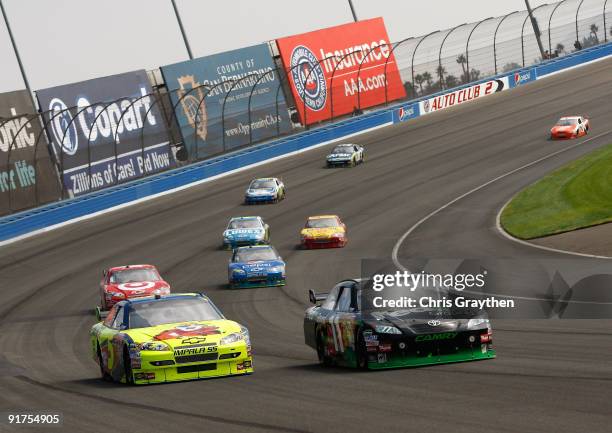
x: 223, y: 100
x: 27, y: 175
x: 105, y: 131
x: 341, y: 69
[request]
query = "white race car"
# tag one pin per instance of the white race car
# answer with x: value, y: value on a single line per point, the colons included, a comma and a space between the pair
x: 346, y: 154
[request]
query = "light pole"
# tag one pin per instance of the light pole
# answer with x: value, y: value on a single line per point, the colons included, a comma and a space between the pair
x: 353, y: 10
x: 180, y: 23
x: 12, y: 38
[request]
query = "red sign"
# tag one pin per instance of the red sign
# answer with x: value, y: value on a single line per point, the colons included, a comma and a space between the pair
x: 347, y: 67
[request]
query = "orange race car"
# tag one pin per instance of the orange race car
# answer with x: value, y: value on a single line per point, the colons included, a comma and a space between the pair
x: 323, y: 231
x: 570, y: 127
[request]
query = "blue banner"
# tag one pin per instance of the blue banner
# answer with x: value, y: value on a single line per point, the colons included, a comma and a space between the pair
x: 219, y: 98
x: 406, y: 112
x: 105, y: 131
x: 522, y: 77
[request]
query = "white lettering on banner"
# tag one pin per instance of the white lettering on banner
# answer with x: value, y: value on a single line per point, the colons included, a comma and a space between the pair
x: 16, y: 133
x: 371, y: 83
x: 102, y: 120
x: 464, y: 95
x: 353, y: 57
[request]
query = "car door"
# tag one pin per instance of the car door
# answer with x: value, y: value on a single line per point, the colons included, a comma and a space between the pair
x: 344, y: 319
x: 336, y: 318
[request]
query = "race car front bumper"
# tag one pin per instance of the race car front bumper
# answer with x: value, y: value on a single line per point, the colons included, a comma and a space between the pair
x: 163, y: 366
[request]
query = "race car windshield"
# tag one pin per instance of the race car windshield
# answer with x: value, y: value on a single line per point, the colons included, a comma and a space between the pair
x: 244, y: 224
x: 322, y: 223
x: 154, y: 313
x: 263, y: 184
x: 343, y: 149
x: 256, y: 255
x: 567, y: 122
x: 133, y: 275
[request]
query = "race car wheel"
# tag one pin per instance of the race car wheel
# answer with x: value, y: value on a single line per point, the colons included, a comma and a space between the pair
x: 127, y: 367
x: 323, y: 358
x: 362, y: 354
x: 353, y: 163
x: 105, y: 376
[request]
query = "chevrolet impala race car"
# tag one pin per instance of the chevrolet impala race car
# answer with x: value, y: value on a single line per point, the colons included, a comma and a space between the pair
x: 324, y: 231
x: 265, y: 190
x: 346, y: 154
x: 131, y: 281
x: 242, y: 231
x: 167, y: 339
x: 570, y: 127
x: 345, y: 332
x: 257, y: 266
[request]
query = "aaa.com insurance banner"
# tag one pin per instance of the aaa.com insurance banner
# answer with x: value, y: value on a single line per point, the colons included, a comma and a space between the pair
x: 463, y: 95
x: 347, y: 66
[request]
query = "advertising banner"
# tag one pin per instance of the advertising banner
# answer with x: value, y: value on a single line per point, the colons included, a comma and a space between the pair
x: 27, y: 175
x: 523, y: 77
x: 406, y: 112
x: 213, y: 95
x: 359, y: 58
x: 463, y: 95
x: 106, y: 131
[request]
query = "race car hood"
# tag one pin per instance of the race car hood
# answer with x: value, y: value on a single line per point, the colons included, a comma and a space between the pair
x: 322, y: 232
x: 185, y: 333
x: 138, y: 288
x: 565, y: 129
x: 243, y: 233
x: 427, y: 322
x: 258, y: 266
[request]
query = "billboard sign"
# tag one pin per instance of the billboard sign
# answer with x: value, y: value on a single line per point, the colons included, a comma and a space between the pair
x: 105, y: 131
x: 212, y: 96
x: 347, y: 66
x: 27, y: 175
x: 406, y: 112
x: 463, y: 95
x: 520, y: 78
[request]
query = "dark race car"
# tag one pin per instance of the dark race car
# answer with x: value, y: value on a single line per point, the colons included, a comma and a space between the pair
x: 345, y: 334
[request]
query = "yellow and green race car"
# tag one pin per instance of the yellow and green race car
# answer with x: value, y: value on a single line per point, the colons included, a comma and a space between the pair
x: 167, y: 339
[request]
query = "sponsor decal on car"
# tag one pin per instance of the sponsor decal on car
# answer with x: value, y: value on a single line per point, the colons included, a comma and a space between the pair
x: 435, y: 337
x: 188, y: 330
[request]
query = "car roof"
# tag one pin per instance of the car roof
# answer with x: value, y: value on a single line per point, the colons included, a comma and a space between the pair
x: 264, y: 178
x: 125, y: 267
x: 255, y: 247
x: 570, y: 117
x: 320, y: 217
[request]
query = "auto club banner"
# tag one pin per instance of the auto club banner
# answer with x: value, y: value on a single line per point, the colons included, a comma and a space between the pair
x: 213, y: 96
x: 106, y: 131
x: 27, y: 175
x: 358, y: 56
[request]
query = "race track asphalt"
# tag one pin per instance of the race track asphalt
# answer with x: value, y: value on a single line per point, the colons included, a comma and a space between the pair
x: 549, y: 376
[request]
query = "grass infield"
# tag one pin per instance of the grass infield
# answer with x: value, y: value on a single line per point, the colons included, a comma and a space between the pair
x: 575, y: 196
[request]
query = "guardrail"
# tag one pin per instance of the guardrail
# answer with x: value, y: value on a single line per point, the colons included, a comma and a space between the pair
x: 45, y: 218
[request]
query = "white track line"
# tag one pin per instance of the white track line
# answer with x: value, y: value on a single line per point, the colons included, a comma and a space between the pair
x: 394, y: 253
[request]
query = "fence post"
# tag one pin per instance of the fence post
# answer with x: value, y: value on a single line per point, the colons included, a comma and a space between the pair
x: 550, y: 23
x: 387, y: 61
x: 440, y: 68
x: 495, y: 38
x: 577, y: 12
x: 604, y: 22
x: 467, y: 48
x: 379, y: 47
x: 414, y: 54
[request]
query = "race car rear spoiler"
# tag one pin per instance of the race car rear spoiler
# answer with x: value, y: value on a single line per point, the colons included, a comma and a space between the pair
x: 315, y: 298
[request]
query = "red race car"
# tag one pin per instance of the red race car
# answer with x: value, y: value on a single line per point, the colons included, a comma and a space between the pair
x: 570, y: 127
x: 132, y: 281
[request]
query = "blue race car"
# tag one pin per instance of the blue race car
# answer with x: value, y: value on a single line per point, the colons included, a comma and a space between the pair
x: 242, y: 231
x: 256, y: 266
x: 265, y: 190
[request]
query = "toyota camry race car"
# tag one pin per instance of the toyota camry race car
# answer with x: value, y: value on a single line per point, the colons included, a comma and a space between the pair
x: 324, y: 231
x: 243, y: 231
x: 168, y: 339
x: 256, y: 266
x: 346, y: 332
x: 131, y: 281
x: 346, y: 154
x: 570, y: 127
x: 265, y: 190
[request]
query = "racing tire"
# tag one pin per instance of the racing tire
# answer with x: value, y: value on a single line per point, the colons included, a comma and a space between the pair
x: 362, y: 354
x: 127, y: 367
x: 324, y: 360
x: 353, y: 163
x: 103, y: 374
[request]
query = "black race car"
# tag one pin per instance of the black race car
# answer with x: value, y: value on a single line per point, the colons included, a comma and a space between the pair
x: 344, y: 333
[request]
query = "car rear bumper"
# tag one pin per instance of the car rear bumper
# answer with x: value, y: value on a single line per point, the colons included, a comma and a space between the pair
x: 267, y: 282
x: 324, y: 243
x: 259, y: 199
x: 243, y: 243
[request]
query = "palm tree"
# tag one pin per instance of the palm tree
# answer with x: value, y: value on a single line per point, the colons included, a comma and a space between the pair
x: 427, y: 78
x: 419, y: 79
x: 462, y: 61
x: 441, y: 72
x: 560, y: 48
x: 594, y: 30
x: 451, y: 81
